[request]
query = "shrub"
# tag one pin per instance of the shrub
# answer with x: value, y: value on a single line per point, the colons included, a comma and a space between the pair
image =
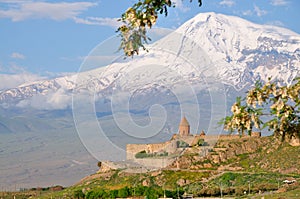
x: 182, y: 144
x: 141, y: 154
x: 78, y: 194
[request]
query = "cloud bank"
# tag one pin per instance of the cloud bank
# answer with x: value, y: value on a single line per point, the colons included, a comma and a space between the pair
x: 22, y: 10
x: 112, y: 22
x: 8, y: 81
x: 16, y: 55
x: 279, y: 2
x: 57, y: 100
x: 228, y: 3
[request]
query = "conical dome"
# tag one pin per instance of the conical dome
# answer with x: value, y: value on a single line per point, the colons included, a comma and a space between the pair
x: 184, y: 122
x: 184, y: 127
x: 202, y: 133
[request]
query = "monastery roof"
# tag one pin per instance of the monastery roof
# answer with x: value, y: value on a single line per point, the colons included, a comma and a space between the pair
x: 202, y: 133
x: 184, y: 122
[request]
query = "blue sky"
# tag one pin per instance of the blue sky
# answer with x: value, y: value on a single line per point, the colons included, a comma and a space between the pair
x: 43, y: 37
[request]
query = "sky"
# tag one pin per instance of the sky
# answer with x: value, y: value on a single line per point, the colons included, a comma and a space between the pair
x: 43, y: 38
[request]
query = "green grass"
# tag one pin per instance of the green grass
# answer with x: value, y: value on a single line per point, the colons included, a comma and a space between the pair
x: 264, y: 170
x: 291, y: 194
x: 171, y: 177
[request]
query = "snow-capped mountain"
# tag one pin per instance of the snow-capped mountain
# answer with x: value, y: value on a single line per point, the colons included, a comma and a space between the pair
x: 243, y: 51
x: 210, y: 48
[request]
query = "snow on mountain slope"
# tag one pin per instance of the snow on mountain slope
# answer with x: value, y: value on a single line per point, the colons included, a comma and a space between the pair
x: 209, y: 47
x: 243, y: 51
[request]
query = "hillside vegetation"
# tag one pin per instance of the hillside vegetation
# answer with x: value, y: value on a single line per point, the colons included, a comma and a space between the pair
x: 235, y: 166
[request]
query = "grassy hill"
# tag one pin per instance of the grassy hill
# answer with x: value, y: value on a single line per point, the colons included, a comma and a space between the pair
x: 233, y: 167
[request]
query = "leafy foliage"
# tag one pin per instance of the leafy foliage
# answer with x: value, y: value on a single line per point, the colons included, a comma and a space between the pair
x: 141, y: 154
x: 78, y: 194
x: 182, y: 144
x: 99, y: 164
x: 148, y: 192
x: 201, y: 142
x: 137, y: 19
x: 144, y: 154
x: 278, y: 104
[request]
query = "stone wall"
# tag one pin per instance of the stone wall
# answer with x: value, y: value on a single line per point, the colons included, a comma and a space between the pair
x: 132, y: 149
x: 230, y: 137
x: 190, y: 139
x: 171, y: 147
x: 155, y: 163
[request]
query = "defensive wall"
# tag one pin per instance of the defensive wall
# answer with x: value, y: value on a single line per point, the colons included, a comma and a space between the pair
x: 171, y: 145
x: 133, y: 149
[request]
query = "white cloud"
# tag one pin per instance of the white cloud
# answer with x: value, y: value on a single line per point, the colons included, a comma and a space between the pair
x: 13, y: 1
x: 247, y: 13
x: 59, y: 99
x: 13, y: 80
x: 279, y: 2
x: 112, y: 22
x: 22, y: 10
x: 228, y: 3
x: 259, y: 12
x: 17, y: 55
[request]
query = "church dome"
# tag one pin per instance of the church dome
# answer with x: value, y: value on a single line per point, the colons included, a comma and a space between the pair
x: 184, y: 122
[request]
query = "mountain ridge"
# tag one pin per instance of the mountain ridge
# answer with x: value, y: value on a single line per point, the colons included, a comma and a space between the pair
x: 237, y: 51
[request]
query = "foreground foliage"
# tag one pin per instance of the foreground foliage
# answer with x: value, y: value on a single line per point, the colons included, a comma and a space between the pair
x: 137, y: 19
x: 268, y: 105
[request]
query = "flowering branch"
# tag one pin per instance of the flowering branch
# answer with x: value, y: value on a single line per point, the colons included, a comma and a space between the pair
x: 137, y: 19
x: 280, y: 103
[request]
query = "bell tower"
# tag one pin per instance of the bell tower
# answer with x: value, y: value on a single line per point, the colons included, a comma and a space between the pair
x: 184, y: 127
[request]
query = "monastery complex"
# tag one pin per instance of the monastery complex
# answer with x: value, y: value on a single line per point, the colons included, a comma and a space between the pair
x: 145, y: 157
x: 176, y: 144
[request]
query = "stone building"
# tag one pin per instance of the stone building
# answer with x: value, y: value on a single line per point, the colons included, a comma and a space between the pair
x: 184, y: 127
x: 159, y: 155
x: 160, y: 152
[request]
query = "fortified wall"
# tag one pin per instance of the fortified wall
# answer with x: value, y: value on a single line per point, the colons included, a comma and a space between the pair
x: 133, y: 149
x: 160, y: 155
x: 169, y: 147
x: 232, y: 137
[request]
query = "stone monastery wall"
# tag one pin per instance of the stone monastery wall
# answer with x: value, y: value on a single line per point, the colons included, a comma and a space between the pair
x: 132, y: 149
x: 155, y: 163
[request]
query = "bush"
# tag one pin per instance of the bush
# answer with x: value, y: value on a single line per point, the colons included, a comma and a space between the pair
x: 78, y: 194
x: 124, y: 192
x: 201, y: 142
x: 182, y: 144
x: 141, y: 154
x: 95, y: 194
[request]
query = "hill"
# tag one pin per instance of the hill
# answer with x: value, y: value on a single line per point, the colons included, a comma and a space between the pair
x: 235, y: 166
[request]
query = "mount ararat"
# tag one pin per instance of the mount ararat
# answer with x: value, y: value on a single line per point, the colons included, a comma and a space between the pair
x: 223, y: 48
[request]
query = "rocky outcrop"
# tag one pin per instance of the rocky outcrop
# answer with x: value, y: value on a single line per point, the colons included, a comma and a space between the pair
x: 224, y: 150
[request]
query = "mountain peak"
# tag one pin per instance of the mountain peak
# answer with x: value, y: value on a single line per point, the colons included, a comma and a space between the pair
x: 215, y: 20
x: 239, y: 53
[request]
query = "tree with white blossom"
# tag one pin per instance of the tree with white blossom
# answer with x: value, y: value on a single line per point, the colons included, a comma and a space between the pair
x: 277, y: 105
x: 137, y: 19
